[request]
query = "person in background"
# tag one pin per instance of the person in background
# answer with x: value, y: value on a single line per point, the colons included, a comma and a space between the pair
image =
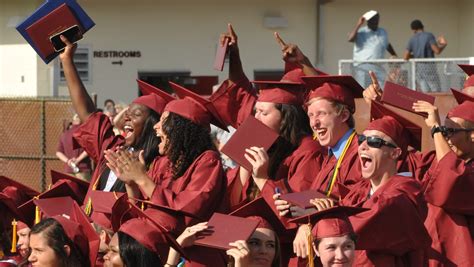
x: 424, y: 45
x: 76, y: 161
x: 370, y: 42
x: 220, y: 138
x: 109, y: 109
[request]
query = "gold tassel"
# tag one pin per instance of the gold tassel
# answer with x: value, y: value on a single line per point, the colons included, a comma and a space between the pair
x: 14, y: 224
x: 37, y: 213
x: 2, y: 254
x: 143, y: 206
x: 310, y: 247
x: 88, y: 208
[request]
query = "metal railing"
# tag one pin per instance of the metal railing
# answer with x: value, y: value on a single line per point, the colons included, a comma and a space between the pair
x: 421, y: 74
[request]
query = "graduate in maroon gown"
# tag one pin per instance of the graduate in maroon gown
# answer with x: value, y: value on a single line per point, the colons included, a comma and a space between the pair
x: 261, y: 249
x: 392, y: 232
x: 449, y: 184
x: 64, y: 236
x: 292, y: 160
x: 192, y: 179
x: 96, y: 134
x: 330, y: 108
x: 13, y: 228
x: 290, y: 163
x: 332, y: 237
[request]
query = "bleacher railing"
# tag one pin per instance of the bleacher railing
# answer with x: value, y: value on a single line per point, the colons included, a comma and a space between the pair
x: 423, y: 74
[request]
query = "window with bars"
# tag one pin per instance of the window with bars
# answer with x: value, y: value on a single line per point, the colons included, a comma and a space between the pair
x: 82, y: 60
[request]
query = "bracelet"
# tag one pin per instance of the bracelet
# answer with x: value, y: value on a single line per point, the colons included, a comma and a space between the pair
x: 437, y: 129
x: 171, y: 265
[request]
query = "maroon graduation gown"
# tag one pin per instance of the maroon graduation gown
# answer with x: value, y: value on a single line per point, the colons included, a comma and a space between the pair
x: 349, y: 172
x: 96, y: 135
x: 449, y: 188
x: 234, y: 101
x: 392, y: 232
x: 417, y: 163
x: 199, y: 191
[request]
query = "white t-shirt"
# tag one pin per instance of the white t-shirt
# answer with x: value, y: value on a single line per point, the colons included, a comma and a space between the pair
x: 370, y: 44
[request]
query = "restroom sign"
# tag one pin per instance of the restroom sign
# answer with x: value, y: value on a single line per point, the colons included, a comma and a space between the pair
x: 117, y: 54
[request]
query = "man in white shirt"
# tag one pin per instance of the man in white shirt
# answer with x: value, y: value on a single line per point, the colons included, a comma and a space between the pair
x: 370, y: 42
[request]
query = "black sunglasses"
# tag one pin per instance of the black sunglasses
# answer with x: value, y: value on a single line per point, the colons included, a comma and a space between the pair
x: 375, y: 142
x: 448, y: 132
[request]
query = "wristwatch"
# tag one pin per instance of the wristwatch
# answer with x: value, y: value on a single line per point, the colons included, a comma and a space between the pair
x: 437, y: 129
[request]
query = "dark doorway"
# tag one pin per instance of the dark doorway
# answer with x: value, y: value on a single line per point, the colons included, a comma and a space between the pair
x: 199, y: 84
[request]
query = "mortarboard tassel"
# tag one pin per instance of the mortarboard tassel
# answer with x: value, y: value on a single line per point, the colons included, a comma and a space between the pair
x: 2, y: 254
x: 143, y: 206
x: 37, y: 213
x: 88, y: 208
x: 14, y: 242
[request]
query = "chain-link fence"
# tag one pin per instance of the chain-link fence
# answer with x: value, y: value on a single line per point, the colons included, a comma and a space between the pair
x: 29, y: 136
x: 427, y: 75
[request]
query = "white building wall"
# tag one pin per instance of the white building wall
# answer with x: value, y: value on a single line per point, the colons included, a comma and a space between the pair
x: 18, y: 71
x: 182, y: 35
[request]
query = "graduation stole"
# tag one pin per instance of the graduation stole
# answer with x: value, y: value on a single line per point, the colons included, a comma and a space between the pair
x: 338, y: 164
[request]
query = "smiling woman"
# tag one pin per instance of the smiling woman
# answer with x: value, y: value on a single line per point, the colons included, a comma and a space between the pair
x: 96, y: 133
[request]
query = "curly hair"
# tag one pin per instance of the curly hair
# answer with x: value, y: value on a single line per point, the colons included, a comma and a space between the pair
x: 148, y: 141
x: 186, y: 141
x: 56, y: 238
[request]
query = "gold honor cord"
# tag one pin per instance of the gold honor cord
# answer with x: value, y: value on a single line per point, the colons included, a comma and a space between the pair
x: 338, y: 164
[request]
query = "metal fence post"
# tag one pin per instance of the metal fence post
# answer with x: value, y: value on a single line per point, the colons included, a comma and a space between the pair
x: 43, y: 145
x: 413, y: 74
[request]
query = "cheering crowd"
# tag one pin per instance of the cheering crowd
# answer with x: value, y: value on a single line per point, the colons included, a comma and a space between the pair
x: 380, y: 201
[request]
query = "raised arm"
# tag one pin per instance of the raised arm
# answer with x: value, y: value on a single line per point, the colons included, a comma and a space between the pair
x: 353, y: 34
x: 439, y: 45
x: 292, y: 54
x: 81, y: 100
x: 236, y: 71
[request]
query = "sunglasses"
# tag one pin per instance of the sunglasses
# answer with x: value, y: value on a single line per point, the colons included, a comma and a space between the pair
x: 448, y: 132
x: 375, y: 142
